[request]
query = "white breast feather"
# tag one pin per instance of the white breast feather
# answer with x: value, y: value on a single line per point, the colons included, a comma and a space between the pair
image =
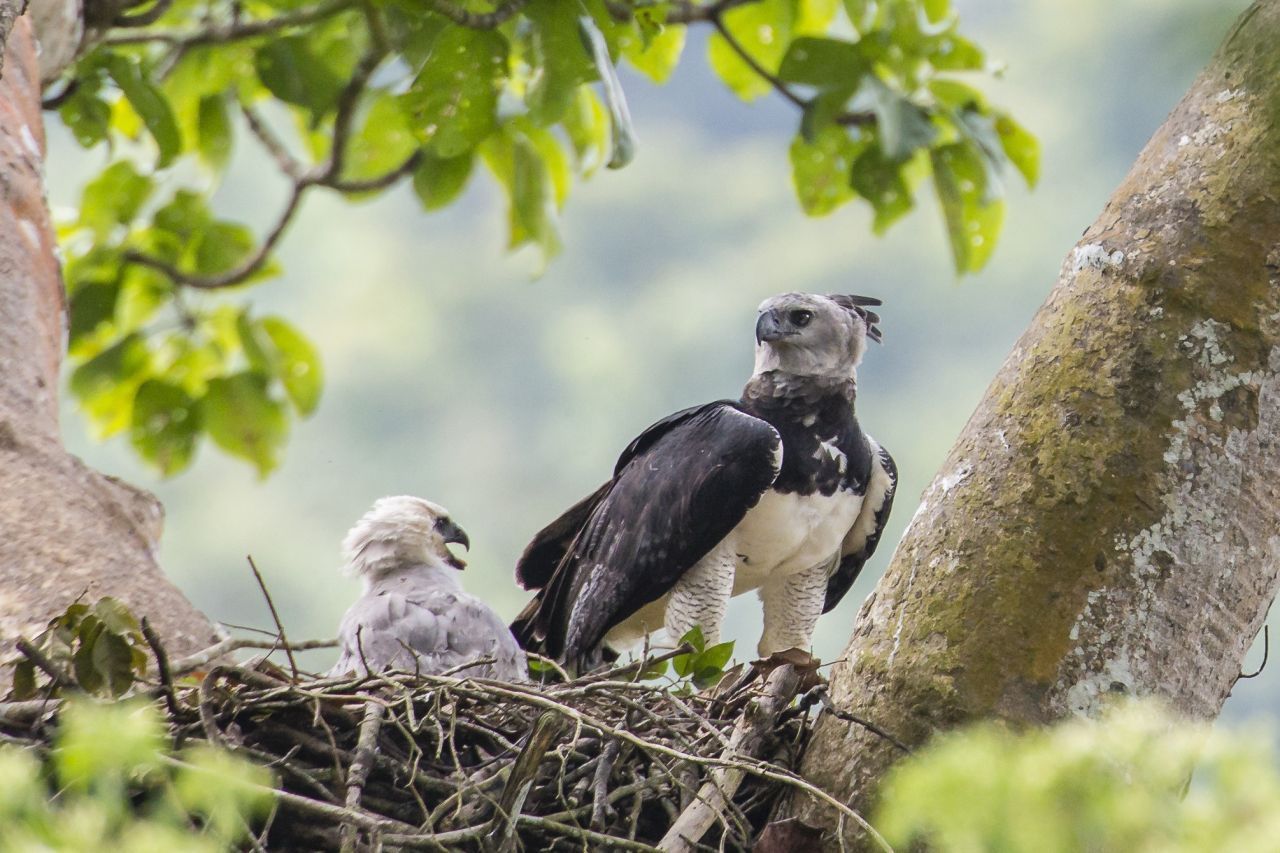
x: 788, y: 533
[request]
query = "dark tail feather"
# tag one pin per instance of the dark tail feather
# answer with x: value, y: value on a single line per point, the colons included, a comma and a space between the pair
x: 525, y: 627
x: 532, y: 638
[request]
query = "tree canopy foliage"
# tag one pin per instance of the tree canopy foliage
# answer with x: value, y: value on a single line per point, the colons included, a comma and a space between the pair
x: 1139, y: 778
x: 111, y: 781
x: 355, y: 96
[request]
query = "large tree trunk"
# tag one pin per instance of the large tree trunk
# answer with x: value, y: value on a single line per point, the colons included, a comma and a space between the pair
x: 1109, y: 521
x: 65, y: 530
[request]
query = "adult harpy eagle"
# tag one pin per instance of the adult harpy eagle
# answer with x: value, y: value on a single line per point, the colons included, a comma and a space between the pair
x: 413, y: 614
x: 780, y: 491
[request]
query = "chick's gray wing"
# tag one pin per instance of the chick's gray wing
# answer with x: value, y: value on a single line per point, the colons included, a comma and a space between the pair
x: 429, y: 631
x: 379, y: 630
x: 474, y: 632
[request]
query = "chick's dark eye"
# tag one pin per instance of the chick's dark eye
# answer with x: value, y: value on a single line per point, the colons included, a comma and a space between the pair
x: 800, y: 318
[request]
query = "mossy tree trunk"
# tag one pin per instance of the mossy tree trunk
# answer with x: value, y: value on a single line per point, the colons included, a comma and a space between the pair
x: 1108, y: 523
x: 65, y: 529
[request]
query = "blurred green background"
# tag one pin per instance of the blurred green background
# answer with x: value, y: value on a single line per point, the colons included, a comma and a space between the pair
x: 455, y: 374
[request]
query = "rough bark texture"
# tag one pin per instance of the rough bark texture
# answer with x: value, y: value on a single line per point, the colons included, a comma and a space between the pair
x: 65, y: 530
x: 1109, y: 521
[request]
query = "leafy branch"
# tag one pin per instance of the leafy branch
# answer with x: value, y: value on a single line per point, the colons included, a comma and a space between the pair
x: 357, y: 96
x: 236, y: 30
x: 326, y: 174
x: 716, y: 17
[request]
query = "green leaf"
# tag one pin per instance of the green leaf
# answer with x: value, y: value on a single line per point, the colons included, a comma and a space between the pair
x: 540, y: 667
x: 105, y: 384
x: 185, y: 216
x: 24, y: 680
x: 715, y: 657
x: 221, y: 247
x: 88, y: 676
x: 980, y: 131
x: 707, y: 677
x: 413, y: 33
x: 242, y: 418
x: 297, y: 363
x: 224, y: 789
x: 862, y: 13
x: 553, y: 157
x: 150, y: 104
x: 101, y: 746
x: 166, y: 424
x: 1020, y: 146
x: 657, y: 56
x: 142, y: 292
x: 257, y: 349
x: 87, y: 116
x: 880, y: 181
x: 113, y: 198
x: 115, y: 615
x: 763, y: 30
x: 92, y: 305
x: 295, y: 71
x: 821, y: 170
x: 562, y: 60
x: 821, y: 111
x: 823, y: 62
x: 657, y: 669
x: 221, y: 69
x: 440, y: 180
x: 72, y: 615
x: 816, y: 16
x: 453, y: 101
x: 682, y: 665
x: 587, y: 126
x: 694, y: 638
x: 903, y: 127
x: 959, y: 175
x: 936, y: 10
x: 531, y: 203
x: 950, y: 52
x: 383, y: 142
x: 213, y: 131
x: 957, y: 95
x: 112, y: 659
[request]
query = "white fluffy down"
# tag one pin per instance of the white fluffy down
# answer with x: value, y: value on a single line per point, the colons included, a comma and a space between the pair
x: 413, y: 614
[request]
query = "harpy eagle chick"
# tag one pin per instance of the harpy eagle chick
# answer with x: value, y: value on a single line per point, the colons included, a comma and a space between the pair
x: 780, y: 491
x: 413, y: 615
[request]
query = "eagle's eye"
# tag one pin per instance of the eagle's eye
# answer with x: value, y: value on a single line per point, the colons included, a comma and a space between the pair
x: 800, y: 318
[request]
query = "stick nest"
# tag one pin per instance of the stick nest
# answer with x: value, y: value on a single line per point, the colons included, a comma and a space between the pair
x: 401, y: 761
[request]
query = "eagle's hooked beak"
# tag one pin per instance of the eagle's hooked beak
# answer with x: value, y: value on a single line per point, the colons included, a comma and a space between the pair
x: 769, y: 327
x: 451, y: 533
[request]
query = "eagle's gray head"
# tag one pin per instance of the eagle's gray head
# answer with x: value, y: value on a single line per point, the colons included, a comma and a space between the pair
x: 807, y: 334
x: 402, y: 531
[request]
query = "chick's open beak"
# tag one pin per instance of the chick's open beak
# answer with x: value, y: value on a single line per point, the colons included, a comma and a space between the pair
x: 452, y: 534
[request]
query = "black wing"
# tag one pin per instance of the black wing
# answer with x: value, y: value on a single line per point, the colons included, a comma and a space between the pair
x: 550, y: 544
x: 677, y: 491
x: 864, y: 536
x: 541, y: 556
